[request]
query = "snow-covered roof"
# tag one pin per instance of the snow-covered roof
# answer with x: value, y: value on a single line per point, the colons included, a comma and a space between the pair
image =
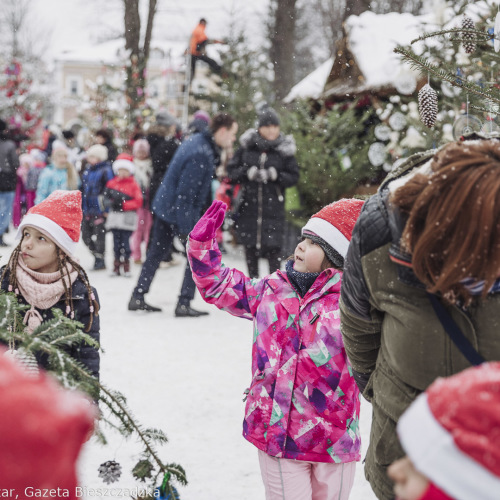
x: 372, y: 39
x: 311, y: 87
x: 113, y: 52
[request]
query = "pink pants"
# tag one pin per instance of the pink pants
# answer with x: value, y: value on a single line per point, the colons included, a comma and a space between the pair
x: 286, y: 479
x: 144, y: 222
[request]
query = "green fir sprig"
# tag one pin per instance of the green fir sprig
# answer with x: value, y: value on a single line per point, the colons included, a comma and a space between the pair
x: 55, y: 338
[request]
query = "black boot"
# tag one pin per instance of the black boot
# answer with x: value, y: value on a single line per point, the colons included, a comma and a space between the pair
x: 186, y: 311
x: 138, y: 304
x: 99, y: 264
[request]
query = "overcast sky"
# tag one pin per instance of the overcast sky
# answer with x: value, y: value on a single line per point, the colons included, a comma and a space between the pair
x: 73, y: 23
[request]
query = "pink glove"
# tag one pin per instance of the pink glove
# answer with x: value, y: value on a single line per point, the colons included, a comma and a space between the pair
x: 212, y: 219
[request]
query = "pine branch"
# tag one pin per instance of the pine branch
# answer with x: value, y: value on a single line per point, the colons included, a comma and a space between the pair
x: 422, y: 64
x: 483, y: 36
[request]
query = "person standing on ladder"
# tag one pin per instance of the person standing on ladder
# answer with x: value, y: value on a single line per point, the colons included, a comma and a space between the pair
x: 197, y: 48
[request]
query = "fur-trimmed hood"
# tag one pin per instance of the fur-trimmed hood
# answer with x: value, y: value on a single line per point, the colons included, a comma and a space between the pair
x: 284, y: 144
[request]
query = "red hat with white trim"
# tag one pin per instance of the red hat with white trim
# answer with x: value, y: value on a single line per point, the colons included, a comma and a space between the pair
x: 124, y: 160
x: 333, y: 225
x: 451, y: 433
x: 59, y: 217
x: 43, y: 429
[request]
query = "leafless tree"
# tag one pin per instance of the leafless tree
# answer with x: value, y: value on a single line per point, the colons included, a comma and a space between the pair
x: 138, y: 50
x: 282, y: 37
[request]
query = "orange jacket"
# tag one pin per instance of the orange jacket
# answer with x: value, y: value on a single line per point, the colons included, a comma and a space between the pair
x: 198, y: 36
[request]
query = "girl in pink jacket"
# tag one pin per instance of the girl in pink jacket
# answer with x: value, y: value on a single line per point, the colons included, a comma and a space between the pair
x: 302, y: 405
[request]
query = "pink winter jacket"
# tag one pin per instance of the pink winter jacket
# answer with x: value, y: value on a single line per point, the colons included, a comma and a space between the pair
x: 302, y: 401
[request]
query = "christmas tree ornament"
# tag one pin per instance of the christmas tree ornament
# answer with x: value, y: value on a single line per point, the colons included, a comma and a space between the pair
x: 496, y: 33
x: 405, y: 83
x: 468, y: 39
x: 377, y: 154
x: 110, y: 471
x: 490, y: 126
x: 428, y: 105
x: 397, y: 121
x: 466, y: 124
x: 382, y: 132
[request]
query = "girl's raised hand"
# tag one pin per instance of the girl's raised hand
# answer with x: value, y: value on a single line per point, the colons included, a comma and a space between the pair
x: 212, y: 219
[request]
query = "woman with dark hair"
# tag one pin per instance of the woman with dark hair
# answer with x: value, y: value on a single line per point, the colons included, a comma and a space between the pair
x: 427, y: 244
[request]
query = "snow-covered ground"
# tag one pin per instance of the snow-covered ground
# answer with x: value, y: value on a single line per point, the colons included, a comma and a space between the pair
x: 185, y: 376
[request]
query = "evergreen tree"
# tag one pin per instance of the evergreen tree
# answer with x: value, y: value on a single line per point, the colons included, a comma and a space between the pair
x: 460, y: 63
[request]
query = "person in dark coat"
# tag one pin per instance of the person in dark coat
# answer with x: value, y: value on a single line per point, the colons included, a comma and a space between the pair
x: 163, y: 145
x: 43, y: 273
x: 264, y: 166
x: 9, y: 163
x: 179, y: 203
x: 104, y: 137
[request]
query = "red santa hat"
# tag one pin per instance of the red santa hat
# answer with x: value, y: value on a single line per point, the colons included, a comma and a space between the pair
x: 334, y: 224
x: 451, y: 433
x: 124, y: 160
x: 43, y: 429
x: 59, y: 217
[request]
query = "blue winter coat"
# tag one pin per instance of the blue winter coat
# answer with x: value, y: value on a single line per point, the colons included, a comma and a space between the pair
x: 185, y: 189
x: 94, y: 181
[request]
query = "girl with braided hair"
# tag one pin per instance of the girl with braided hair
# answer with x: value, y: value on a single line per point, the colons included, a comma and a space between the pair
x: 43, y: 273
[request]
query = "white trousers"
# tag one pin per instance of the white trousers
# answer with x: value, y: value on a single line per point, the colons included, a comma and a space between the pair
x: 286, y: 479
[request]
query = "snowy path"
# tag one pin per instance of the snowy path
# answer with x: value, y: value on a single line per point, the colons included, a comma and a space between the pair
x: 185, y: 376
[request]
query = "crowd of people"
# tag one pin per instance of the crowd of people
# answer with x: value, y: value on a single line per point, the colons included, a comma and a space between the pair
x: 382, y: 298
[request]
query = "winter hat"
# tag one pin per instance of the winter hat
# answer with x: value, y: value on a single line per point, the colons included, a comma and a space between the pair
x: 44, y: 427
x: 202, y: 116
x: 98, y: 151
x: 26, y: 159
x: 268, y: 117
x: 451, y: 433
x: 59, y: 216
x: 124, y: 160
x: 332, y: 228
x: 165, y: 119
x: 140, y: 145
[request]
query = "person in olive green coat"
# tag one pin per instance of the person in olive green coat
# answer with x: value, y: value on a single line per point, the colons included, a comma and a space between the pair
x: 433, y: 226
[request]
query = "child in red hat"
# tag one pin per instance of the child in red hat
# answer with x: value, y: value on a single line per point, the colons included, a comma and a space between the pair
x: 43, y: 273
x: 123, y: 197
x: 451, y: 436
x: 44, y: 427
x: 302, y: 405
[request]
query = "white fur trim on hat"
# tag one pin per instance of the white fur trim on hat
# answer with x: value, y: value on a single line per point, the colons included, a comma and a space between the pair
x: 122, y: 163
x: 434, y: 453
x: 329, y: 233
x: 51, y: 229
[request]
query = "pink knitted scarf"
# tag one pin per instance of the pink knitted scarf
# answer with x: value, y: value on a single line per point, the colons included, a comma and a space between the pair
x: 40, y: 290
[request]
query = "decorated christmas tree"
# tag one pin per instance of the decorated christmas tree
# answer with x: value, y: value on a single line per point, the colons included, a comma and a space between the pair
x: 20, y: 106
x: 460, y: 64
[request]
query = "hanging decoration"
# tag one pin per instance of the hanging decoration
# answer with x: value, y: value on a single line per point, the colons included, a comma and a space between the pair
x: 382, y: 132
x: 468, y: 39
x: 428, y: 105
x: 377, y: 154
x: 496, y: 33
x: 466, y: 124
x: 397, y: 121
x: 405, y: 83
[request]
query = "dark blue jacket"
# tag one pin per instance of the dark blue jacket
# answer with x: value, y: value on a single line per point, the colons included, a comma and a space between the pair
x: 94, y: 181
x: 87, y: 355
x: 185, y: 189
